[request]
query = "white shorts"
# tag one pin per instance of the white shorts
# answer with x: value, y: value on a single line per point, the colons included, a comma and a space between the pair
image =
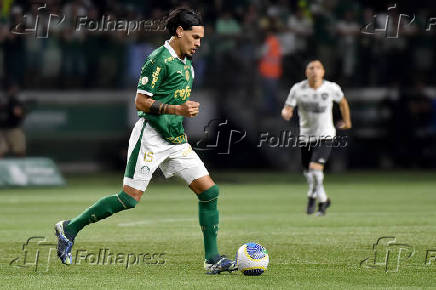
x: 148, y: 151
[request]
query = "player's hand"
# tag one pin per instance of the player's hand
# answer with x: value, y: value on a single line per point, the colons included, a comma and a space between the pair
x: 287, y: 113
x: 189, y: 109
x: 343, y: 125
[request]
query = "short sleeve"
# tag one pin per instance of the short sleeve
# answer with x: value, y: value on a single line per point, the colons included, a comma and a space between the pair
x: 337, y: 93
x: 291, y: 100
x: 152, y: 74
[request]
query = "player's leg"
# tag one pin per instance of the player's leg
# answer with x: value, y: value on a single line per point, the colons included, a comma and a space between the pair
x: 146, y: 151
x: 317, y: 170
x: 135, y: 182
x: 4, y: 147
x: 104, y: 208
x: 67, y: 230
x: 17, y: 141
x: 320, y: 156
x: 306, y: 155
x: 207, y: 192
x: 133, y: 187
x: 186, y: 164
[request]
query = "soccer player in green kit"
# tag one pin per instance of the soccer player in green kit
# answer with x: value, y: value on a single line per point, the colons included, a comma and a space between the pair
x: 158, y: 140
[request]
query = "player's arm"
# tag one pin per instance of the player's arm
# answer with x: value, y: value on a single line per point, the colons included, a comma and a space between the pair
x: 290, y: 103
x: 146, y: 104
x: 287, y: 112
x: 345, y: 113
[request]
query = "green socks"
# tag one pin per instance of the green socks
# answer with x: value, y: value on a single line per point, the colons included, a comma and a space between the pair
x: 108, y: 205
x: 102, y: 209
x: 209, y: 219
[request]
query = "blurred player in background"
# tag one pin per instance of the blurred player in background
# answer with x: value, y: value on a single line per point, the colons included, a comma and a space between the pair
x: 12, y: 114
x: 158, y: 140
x: 314, y: 98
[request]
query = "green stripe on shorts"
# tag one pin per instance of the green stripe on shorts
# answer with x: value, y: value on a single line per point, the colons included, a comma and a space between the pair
x: 131, y: 163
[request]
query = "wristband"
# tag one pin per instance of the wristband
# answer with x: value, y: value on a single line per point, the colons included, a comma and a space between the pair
x: 156, y: 108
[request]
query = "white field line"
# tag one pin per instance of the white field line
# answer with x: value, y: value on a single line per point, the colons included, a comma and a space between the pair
x: 155, y: 221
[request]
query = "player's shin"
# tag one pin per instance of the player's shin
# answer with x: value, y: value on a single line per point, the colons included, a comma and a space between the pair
x: 318, y: 176
x: 209, y: 218
x: 309, y: 177
x: 102, y: 209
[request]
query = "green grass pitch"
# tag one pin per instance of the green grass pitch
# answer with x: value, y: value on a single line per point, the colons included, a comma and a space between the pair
x: 306, y: 252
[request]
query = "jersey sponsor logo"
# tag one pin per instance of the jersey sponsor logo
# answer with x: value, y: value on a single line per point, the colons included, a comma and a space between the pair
x: 155, y: 76
x: 144, y: 80
x: 171, y: 58
x: 177, y: 140
x: 182, y: 94
x: 313, y: 107
x: 315, y: 96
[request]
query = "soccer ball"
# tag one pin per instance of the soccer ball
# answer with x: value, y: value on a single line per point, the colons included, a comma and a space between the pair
x: 252, y: 259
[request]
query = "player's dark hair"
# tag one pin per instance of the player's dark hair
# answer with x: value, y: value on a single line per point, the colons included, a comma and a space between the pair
x: 184, y: 17
x: 313, y: 60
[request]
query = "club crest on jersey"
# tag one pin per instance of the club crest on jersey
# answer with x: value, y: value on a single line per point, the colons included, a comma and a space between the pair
x: 187, y: 75
x: 324, y: 96
x: 145, y: 170
x: 144, y: 80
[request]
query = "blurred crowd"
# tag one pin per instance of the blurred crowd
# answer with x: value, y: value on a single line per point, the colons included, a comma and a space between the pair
x: 252, y: 53
x: 245, y: 40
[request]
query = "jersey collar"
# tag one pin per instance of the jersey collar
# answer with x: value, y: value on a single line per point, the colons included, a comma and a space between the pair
x: 172, y: 52
x: 308, y: 86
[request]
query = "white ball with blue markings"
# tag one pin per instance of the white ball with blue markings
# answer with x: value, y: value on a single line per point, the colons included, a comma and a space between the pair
x: 252, y: 259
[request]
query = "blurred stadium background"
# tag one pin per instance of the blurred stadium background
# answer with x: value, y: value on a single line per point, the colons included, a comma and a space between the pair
x: 78, y: 87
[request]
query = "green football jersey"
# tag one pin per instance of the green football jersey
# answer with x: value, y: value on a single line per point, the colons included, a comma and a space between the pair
x: 166, y: 78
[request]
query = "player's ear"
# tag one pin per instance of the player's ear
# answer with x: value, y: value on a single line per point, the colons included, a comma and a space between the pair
x: 179, y: 32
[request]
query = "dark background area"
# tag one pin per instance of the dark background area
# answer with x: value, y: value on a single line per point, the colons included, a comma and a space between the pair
x: 78, y: 86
